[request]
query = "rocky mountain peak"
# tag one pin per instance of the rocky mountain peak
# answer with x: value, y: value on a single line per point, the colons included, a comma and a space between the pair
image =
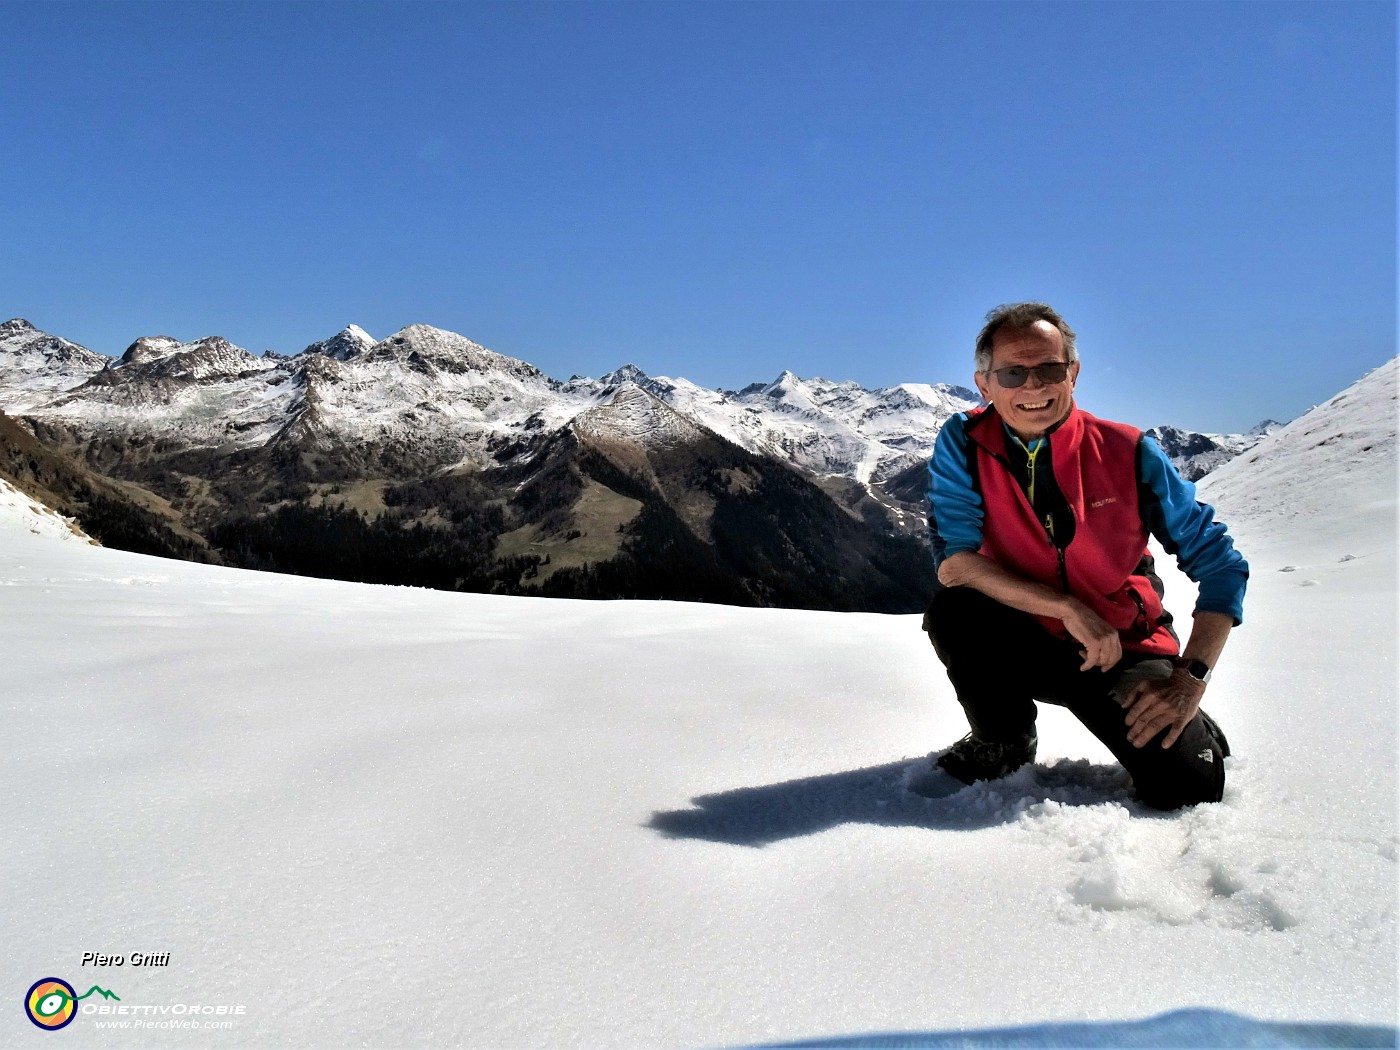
x: 792, y: 394
x: 349, y: 343
x: 213, y: 344
x: 35, y: 365
x: 427, y: 349
x: 786, y: 381
x: 150, y: 348
x: 628, y: 373
x: 161, y: 357
x: 634, y: 415
x: 1196, y: 455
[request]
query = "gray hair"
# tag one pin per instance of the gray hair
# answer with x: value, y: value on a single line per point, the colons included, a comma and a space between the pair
x: 1017, y: 316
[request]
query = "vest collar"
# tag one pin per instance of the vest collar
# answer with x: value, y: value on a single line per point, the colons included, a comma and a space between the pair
x: 988, y: 429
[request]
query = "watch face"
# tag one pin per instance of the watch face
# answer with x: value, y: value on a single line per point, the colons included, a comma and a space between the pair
x: 1197, y: 669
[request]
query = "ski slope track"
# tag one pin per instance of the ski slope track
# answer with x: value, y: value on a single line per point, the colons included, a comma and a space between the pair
x: 387, y: 817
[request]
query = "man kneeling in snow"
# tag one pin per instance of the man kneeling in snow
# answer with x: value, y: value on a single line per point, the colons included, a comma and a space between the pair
x: 1040, y: 515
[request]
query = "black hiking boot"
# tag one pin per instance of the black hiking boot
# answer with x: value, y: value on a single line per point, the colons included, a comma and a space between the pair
x: 1216, y: 732
x: 970, y: 759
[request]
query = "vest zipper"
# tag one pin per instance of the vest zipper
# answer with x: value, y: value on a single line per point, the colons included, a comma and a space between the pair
x: 1031, y: 453
x: 1049, y: 523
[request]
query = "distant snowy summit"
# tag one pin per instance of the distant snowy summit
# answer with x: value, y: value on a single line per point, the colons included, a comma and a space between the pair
x: 345, y: 345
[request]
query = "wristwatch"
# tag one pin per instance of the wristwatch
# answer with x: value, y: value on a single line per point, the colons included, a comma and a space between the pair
x: 1197, y: 669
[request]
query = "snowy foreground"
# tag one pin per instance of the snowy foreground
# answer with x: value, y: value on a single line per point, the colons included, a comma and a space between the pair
x: 380, y: 816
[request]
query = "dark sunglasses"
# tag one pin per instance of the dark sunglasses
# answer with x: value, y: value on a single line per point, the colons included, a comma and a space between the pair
x: 1016, y: 375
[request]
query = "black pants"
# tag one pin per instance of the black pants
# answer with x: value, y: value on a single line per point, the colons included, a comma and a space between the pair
x: 1001, y: 661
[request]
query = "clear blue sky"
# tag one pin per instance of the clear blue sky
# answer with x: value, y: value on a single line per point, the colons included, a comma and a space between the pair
x: 722, y: 190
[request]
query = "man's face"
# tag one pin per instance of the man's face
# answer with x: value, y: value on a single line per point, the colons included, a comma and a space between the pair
x: 1033, y: 408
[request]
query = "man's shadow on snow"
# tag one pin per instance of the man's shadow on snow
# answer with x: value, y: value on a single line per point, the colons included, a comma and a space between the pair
x: 757, y: 816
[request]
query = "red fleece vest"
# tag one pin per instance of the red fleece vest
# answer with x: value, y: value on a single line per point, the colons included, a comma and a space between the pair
x: 1095, y: 466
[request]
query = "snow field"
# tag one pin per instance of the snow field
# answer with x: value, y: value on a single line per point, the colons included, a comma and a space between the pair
x: 345, y: 804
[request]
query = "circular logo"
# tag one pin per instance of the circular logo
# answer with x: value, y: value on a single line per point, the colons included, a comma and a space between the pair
x: 51, y: 1003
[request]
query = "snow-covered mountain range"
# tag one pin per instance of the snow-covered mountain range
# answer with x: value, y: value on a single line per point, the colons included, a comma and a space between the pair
x: 443, y: 400
x: 449, y: 400
x: 426, y: 458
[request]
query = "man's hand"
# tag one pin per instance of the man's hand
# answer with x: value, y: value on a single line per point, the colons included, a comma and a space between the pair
x: 1096, y: 638
x: 1099, y: 641
x: 1155, y: 704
